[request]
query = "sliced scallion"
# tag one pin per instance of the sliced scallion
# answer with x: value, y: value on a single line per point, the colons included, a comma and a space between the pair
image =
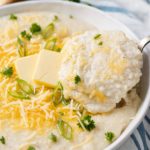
x: 65, y: 129
x: 18, y: 94
x: 25, y: 87
x: 48, y: 31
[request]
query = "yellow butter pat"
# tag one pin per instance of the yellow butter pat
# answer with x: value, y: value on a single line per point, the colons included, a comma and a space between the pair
x: 47, y: 68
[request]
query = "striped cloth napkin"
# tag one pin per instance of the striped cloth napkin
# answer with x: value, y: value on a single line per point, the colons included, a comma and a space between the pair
x: 135, y: 14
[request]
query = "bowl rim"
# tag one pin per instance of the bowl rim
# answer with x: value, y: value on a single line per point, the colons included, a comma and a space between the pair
x: 146, y: 102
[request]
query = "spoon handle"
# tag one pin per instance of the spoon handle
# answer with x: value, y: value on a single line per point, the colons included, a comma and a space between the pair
x: 143, y: 43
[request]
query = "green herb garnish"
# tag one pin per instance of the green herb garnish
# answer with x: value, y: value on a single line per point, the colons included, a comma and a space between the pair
x: 35, y: 28
x: 18, y: 94
x: 53, y: 137
x: 65, y: 129
x: 25, y: 87
x: 24, y: 90
x: 55, y: 18
x: 8, y: 71
x: 48, y: 31
x: 87, y: 122
x: 77, y: 79
x: 97, y: 36
x: 2, y: 140
x: 31, y: 148
x: 71, y: 17
x: 109, y: 136
x: 58, y: 96
x: 26, y: 35
x: 21, y: 48
x: 13, y: 17
x: 100, y: 43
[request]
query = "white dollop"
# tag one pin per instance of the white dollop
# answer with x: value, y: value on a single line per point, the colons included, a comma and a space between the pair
x: 108, y: 66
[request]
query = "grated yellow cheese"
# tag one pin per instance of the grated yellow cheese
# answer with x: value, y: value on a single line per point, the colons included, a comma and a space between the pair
x: 39, y: 112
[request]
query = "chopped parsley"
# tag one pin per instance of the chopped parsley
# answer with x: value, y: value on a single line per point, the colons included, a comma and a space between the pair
x: 53, y: 137
x: 13, y: 17
x: 87, y: 122
x: 31, y: 148
x: 26, y: 35
x: 7, y: 71
x: 2, y: 140
x: 97, y: 36
x: 100, y: 43
x: 77, y: 79
x: 109, y: 136
x: 35, y: 28
x: 55, y: 18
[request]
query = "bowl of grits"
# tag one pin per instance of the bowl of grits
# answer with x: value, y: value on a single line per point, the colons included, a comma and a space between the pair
x: 71, y: 77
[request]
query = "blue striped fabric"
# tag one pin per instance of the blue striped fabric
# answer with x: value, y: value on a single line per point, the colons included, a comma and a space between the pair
x: 125, y: 12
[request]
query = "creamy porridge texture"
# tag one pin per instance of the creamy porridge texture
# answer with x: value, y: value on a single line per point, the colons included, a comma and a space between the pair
x: 64, y: 84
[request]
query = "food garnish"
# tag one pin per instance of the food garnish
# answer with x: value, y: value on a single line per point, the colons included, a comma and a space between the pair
x: 58, y: 96
x: 31, y: 148
x: 26, y: 35
x: 53, y: 137
x: 51, y: 45
x: 100, y: 43
x: 48, y: 31
x: 2, y: 140
x: 21, y: 48
x: 24, y: 90
x: 65, y: 129
x: 13, y: 17
x: 35, y: 28
x: 87, y: 122
x: 97, y: 36
x: 55, y: 18
x: 8, y: 71
x: 109, y: 136
x: 25, y: 87
x: 77, y: 79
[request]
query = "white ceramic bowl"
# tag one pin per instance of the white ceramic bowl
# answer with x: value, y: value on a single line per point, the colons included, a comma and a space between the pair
x: 101, y: 21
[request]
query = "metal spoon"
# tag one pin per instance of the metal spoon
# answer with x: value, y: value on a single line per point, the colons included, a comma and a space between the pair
x: 143, y: 43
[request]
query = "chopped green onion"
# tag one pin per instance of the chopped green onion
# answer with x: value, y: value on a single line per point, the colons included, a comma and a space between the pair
x: 53, y: 137
x: 61, y: 113
x: 31, y: 148
x: 35, y: 28
x: 7, y: 71
x: 13, y: 17
x: 77, y: 79
x: 51, y: 45
x: 2, y: 140
x: 55, y: 18
x: 18, y: 94
x: 25, y: 87
x: 65, y: 129
x: 109, y: 136
x: 100, y: 43
x: 48, y: 31
x: 71, y: 17
x: 26, y: 35
x: 21, y: 48
x: 97, y: 36
x: 57, y: 95
x: 87, y: 122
